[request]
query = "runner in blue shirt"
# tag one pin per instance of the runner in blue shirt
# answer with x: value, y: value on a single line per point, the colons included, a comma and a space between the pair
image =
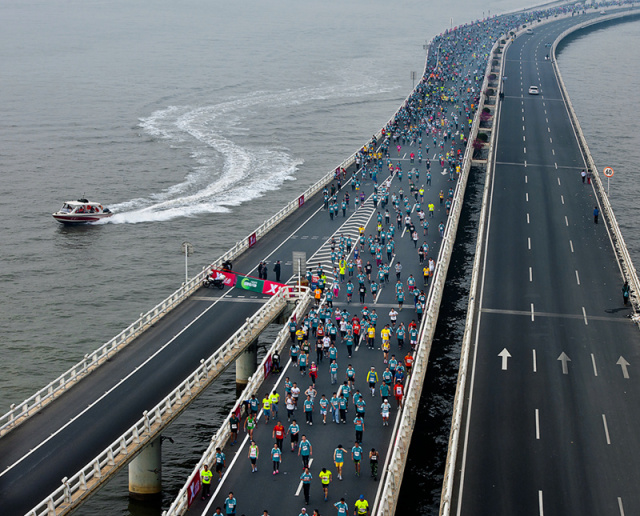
x: 230, y: 504
x: 276, y: 456
x: 342, y: 507
x: 305, y: 451
x: 356, y: 455
x: 306, y: 483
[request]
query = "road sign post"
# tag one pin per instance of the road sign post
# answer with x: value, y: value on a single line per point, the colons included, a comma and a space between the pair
x: 608, y: 171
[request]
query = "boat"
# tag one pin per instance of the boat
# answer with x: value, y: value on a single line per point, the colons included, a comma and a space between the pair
x: 81, y: 211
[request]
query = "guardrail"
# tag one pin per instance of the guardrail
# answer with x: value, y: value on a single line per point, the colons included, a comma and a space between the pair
x: 456, y: 421
x: 220, y: 438
x: 393, y: 470
x: 75, y: 489
x: 617, y: 241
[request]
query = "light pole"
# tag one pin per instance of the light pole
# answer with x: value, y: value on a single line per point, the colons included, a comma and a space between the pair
x: 187, y: 249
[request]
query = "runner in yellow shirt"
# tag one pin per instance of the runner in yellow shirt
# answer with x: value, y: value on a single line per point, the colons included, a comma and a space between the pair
x: 325, y: 478
x: 361, y: 507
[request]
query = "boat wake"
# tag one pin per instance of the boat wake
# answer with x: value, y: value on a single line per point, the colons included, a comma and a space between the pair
x: 232, y: 166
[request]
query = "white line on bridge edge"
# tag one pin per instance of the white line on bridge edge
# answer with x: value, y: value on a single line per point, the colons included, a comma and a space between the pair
x: 537, y: 424
x: 606, y: 428
x: 593, y: 361
x: 540, y: 505
x: 535, y: 362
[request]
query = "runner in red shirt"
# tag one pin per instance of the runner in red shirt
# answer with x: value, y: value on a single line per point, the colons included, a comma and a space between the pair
x: 278, y: 434
x: 408, y: 363
x: 398, y: 392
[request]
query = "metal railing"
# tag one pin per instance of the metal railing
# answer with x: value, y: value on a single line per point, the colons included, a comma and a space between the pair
x: 220, y: 438
x: 75, y: 489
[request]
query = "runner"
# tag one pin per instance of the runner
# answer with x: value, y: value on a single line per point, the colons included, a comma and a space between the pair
x: 294, y: 432
x: 305, y: 451
x: 356, y: 456
x: 253, y: 456
x: 338, y: 460
x: 276, y: 456
x: 220, y: 463
x: 325, y: 478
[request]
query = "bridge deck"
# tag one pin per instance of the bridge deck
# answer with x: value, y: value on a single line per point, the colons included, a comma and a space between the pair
x: 550, y: 426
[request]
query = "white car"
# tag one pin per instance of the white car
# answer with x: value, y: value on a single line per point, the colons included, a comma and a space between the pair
x: 533, y: 90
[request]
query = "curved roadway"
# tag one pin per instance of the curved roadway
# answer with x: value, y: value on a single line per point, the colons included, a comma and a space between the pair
x: 552, y: 408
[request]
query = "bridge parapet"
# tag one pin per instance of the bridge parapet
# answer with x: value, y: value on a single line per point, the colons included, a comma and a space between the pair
x: 76, y: 489
x: 220, y: 438
x: 620, y: 247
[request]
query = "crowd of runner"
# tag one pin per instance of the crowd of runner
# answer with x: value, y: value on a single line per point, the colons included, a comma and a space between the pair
x: 428, y: 135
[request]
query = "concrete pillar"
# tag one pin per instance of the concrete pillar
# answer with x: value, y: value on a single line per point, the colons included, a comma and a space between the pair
x: 145, y: 472
x: 286, y: 313
x: 246, y: 365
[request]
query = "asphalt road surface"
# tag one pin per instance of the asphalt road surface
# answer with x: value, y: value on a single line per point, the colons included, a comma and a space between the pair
x: 552, y: 406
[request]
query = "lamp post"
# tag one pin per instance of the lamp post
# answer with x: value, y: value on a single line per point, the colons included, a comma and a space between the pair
x: 187, y: 249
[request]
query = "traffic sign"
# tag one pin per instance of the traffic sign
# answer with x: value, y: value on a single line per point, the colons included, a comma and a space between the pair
x: 608, y: 171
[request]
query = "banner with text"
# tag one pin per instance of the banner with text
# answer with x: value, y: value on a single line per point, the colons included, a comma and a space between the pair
x: 231, y: 279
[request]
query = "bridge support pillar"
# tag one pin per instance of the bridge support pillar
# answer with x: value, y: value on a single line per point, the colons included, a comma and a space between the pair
x: 145, y: 472
x: 246, y: 365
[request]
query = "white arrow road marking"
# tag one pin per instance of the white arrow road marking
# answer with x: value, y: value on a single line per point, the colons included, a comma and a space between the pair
x: 623, y: 363
x: 505, y: 355
x: 564, y: 358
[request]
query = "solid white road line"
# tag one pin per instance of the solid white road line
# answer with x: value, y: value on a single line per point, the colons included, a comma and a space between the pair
x: 606, y: 428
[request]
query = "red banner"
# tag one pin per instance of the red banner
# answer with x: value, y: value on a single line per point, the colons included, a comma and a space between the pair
x: 300, y: 200
x: 267, y: 366
x: 252, y: 239
x: 193, y: 489
x: 229, y: 278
